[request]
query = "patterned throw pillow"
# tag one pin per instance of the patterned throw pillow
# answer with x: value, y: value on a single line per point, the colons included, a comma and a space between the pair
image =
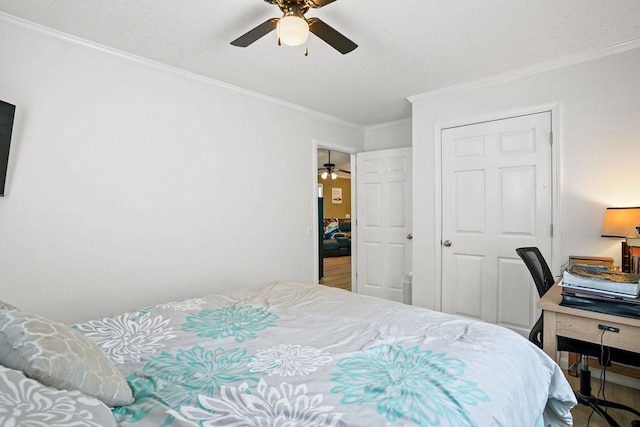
x: 59, y: 357
x: 26, y: 402
x: 6, y: 306
x: 332, y: 228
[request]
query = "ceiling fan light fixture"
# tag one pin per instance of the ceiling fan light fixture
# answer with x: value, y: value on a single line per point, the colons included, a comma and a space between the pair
x: 324, y: 175
x: 293, y: 29
x: 334, y: 175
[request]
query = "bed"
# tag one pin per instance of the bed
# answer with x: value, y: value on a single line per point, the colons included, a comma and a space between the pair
x: 286, y: 354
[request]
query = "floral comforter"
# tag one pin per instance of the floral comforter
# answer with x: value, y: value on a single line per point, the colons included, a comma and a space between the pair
x: 290, y: 354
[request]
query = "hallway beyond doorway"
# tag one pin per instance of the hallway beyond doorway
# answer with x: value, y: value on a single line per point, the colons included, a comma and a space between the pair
x: 337, y: 272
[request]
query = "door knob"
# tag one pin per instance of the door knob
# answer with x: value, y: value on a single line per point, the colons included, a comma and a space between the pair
x: 446, y: 243
x: 410, y: 236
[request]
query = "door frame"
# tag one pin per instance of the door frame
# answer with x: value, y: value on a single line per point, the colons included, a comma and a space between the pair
x: 354, y: 234
x: 555, y: 108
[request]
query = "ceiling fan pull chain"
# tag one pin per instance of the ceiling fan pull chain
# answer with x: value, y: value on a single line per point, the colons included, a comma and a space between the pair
x: 306, y: 52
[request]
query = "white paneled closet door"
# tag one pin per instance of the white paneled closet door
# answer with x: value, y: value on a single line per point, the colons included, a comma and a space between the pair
x: 496, y: 197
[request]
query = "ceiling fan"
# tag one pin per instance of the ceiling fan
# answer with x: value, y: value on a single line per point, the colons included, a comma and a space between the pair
x: 329, y: 169
x: 293, y: 28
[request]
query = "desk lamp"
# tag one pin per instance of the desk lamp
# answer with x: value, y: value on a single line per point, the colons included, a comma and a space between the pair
x: 622, y: 223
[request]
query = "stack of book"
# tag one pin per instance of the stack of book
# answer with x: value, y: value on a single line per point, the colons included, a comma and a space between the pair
x: 603, y: 291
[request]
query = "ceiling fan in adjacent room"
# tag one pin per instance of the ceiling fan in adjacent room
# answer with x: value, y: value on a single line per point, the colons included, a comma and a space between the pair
x: 293, y: 28
x: 329, y: 169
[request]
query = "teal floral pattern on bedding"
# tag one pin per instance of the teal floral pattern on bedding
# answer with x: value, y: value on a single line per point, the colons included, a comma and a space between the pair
x: 292, y: 355
x: 178, y: 379
x: 424, y: 386
x: 239, y: 322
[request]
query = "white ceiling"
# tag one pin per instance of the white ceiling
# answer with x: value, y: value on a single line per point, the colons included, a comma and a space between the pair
x: 406, y: 47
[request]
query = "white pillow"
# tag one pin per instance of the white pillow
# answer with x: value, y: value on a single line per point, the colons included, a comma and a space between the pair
x: 59, y: 357
x: 26, y: 402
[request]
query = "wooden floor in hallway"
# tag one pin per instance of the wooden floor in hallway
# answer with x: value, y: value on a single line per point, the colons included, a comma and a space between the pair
x: 337, y: 272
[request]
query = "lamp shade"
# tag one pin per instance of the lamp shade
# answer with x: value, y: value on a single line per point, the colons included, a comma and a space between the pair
x: 621, y: 222
x: 293, y: 30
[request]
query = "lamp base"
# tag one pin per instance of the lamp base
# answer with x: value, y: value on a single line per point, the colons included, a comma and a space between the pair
x: 626, y: 258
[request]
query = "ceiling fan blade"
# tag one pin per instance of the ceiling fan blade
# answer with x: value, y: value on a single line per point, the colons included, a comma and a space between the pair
x: 260, y: 31
x: 318, y: 3
x: 331, y: 36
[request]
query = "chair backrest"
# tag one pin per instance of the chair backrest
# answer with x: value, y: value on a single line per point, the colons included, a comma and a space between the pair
x: 542, y: 277
x: 538, y: 268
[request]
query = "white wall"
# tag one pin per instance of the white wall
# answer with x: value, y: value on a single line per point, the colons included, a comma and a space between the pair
x: 130, y: 183
x: 599, y: 133
x: 388, y: 135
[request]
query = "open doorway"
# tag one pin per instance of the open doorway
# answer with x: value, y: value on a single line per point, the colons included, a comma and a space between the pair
x: 334, y: 216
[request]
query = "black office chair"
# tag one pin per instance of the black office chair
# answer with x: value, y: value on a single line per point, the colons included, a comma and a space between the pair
x: 543, y: 280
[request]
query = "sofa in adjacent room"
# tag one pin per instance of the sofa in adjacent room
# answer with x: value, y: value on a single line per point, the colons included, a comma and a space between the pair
x: 336, y: 237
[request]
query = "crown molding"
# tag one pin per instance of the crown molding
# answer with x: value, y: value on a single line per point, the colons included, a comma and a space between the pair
x: 388, y: 124
x: 42, y: 31
x: 555, y: 64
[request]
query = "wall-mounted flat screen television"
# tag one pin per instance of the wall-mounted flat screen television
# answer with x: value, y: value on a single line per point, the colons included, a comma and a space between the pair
x: 7, y: 112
